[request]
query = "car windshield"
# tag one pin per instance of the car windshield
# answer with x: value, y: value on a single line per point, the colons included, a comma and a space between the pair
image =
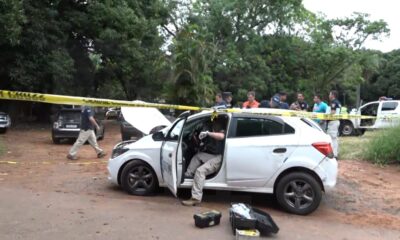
x: 70, y: 116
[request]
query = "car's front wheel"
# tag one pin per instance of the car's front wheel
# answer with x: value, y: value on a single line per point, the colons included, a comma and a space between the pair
x: 138, y: 178
x: 298, y: 193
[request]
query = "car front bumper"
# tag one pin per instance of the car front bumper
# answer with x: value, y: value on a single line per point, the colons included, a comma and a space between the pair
x: 65, y: 133
x: 113, y: 166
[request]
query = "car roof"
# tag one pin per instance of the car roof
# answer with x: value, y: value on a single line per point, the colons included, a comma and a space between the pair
x: 244, y: 115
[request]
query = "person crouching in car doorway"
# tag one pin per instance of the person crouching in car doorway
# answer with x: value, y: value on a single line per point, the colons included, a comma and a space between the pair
x: 207, y: 161
x: 86, y: 134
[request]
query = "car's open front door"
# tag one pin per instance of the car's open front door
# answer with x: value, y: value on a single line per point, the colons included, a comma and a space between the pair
x: 169, y: 153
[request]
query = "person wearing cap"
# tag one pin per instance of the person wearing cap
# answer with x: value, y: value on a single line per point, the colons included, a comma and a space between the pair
x: 207, y: 161
x: 251, y: 101
x: 279, y: 101
x: 333, y: 125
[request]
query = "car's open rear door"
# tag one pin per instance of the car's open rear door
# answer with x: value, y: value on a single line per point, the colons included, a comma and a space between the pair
x: 169, y: 155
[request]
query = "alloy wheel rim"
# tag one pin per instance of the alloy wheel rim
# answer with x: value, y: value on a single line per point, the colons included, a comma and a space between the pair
x: 347, y: 130
x: 299, y: 194
x: 140, y: 178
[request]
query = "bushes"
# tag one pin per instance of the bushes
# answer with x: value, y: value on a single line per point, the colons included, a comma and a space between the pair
x: 385, y: 147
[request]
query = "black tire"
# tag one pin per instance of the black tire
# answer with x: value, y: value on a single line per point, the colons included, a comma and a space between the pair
x: 346, y: 128
x: 138, y: 178
x: 359, y: 132
x: 55, y: 139
x: 3, y: 130
x: 125, y: 137
x: 307, y: 199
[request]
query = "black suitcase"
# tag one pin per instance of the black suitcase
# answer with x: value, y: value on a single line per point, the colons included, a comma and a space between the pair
x: 207, y: 219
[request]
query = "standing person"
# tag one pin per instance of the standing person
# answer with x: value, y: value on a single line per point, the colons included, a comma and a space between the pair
x: 279, y: 101
x: 219, y: 102
x: 333, y: 125
x: 251, y: 100
x: 86, y: 134
x: 228, y: 99
x: 320, y: 107
x: 205, y: 162
x: 300, y: 104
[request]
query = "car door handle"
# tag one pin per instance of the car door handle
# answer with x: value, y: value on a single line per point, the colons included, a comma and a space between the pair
x: 170, y: 155
x: 279, y: 150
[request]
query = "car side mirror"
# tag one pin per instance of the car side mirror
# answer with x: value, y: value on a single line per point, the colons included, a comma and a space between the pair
x: 158, y: 136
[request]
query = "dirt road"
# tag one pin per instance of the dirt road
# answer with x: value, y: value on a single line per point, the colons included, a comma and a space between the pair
x: 45, y: 196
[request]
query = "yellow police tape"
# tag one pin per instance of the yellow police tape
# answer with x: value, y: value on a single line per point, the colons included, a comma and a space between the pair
x: 98, y: 102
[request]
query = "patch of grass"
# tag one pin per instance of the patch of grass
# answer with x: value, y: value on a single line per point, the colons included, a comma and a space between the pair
x: 2, y: 147
x: 385, y: 147
x: 353, y: 148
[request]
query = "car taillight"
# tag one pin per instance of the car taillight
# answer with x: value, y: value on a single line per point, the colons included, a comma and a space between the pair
x: 324, y: 148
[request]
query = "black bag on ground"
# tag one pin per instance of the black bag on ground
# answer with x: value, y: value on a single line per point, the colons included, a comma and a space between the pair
x: 259, y: 220
x: 207, y: 219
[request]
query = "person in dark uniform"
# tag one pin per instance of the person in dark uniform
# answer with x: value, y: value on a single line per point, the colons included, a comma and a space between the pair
x: 279, y: 101
x: 88, y: 123
x: 333, y: 125
x: 207, y: 161
x: 300, y: 104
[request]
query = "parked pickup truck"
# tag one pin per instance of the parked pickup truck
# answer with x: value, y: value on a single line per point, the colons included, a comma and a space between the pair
x: 387, y: 113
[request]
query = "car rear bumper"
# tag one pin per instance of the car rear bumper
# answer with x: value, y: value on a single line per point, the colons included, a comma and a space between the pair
x: 328, y: 171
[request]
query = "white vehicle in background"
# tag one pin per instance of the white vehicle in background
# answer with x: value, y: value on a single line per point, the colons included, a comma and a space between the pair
x: 386, y: 111
x: 5, y: 122
x: 289, y: 157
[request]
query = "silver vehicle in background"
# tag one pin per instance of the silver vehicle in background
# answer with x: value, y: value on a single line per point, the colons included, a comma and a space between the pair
x: 5, y: 122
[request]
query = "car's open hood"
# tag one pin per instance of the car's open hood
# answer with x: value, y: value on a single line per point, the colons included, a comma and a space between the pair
x: 144, y: 119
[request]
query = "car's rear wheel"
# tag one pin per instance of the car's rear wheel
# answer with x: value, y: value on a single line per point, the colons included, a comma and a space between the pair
x: 138, y: 178
x: 3, y: 130
x: 298, y: 193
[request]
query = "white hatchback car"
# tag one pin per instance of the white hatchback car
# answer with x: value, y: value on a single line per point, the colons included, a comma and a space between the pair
x: 289, y: 157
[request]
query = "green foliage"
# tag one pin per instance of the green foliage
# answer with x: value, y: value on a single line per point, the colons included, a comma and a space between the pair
x: 2, y: 147
x: 384, y: 148
x: 186, y: 51
x: 11, y: 19
x: 384, y: 81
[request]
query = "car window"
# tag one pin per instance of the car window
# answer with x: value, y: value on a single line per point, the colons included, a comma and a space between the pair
x: 176, y: 130
x: 370, y: 110
x: 70, y: 116
x: 389, y: 106
x: 248, y: 127
x: 311, y: 123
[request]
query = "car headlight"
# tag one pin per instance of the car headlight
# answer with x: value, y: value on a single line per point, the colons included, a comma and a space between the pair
x: 118, y: 151
x: 57, y: 124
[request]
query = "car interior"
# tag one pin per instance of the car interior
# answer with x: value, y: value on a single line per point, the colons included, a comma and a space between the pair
x: 191, y: 144
x: 369, y: 110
